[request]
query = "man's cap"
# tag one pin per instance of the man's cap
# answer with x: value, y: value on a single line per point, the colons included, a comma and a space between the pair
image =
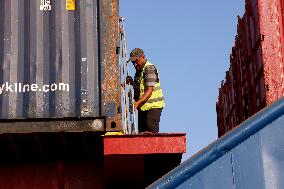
x: 136, y: 53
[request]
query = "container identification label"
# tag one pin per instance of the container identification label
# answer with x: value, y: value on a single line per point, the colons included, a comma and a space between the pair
x: 45, y: 5
x: 70, y: 5
x: 20, y: 87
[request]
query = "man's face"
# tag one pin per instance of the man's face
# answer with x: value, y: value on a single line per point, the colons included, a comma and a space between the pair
x: 138, y: 63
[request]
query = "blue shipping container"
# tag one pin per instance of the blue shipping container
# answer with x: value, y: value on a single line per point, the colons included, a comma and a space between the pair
x: 250, y: 156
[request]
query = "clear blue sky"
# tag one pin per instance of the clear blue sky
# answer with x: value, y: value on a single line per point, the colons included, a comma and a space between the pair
x: 190, y: 43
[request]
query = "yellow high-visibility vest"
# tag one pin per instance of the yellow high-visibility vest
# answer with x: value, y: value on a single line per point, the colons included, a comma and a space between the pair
x: 157, y: 98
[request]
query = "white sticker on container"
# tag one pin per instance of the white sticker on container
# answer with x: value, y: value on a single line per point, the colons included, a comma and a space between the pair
x: 45, y: 5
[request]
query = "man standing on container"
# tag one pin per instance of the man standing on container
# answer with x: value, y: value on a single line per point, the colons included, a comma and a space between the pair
x: 148, y: 94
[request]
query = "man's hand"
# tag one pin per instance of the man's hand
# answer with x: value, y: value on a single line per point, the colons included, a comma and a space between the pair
x: 144, y: 98
x: 129, y: 80
x: 136, y: 106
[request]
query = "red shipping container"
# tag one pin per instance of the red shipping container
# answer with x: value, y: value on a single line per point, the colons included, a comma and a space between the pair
x: 255, y: 77
x: 271, y: 26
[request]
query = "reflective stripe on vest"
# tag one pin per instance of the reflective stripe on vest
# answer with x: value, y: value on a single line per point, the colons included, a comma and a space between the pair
x: 157, y: 98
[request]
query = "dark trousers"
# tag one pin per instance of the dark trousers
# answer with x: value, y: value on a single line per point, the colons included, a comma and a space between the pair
x: 149, y: 120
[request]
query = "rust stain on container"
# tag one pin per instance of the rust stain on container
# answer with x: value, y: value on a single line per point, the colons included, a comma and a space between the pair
x: 111, y: 79
x: 256, y: 64
x: 271, y: 25
x: 111, y: 58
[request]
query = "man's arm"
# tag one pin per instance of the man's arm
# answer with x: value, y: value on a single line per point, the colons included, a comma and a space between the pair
x: 144, y: 98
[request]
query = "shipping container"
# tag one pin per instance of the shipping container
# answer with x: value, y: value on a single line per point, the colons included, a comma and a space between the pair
x: 59, y: 85
x: 250, y: 156
x: 271, y: 27
x: 86, y: 160
x: 60, y: 64
x: 256, y: 61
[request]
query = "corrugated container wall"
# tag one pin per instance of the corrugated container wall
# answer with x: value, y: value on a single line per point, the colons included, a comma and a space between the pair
x: 58, y: 63
x: 256, y: 64
x: 271, y: 26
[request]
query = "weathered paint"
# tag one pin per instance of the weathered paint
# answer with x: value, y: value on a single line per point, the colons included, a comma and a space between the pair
x: 111, y: 75
x: 257, y: 64
x: 250, y: 156
x: 145, y: 144
x: 271, y: 26
x: 55, y: 46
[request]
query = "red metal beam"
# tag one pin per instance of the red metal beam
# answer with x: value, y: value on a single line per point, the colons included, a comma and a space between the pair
x: 145, y: 144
